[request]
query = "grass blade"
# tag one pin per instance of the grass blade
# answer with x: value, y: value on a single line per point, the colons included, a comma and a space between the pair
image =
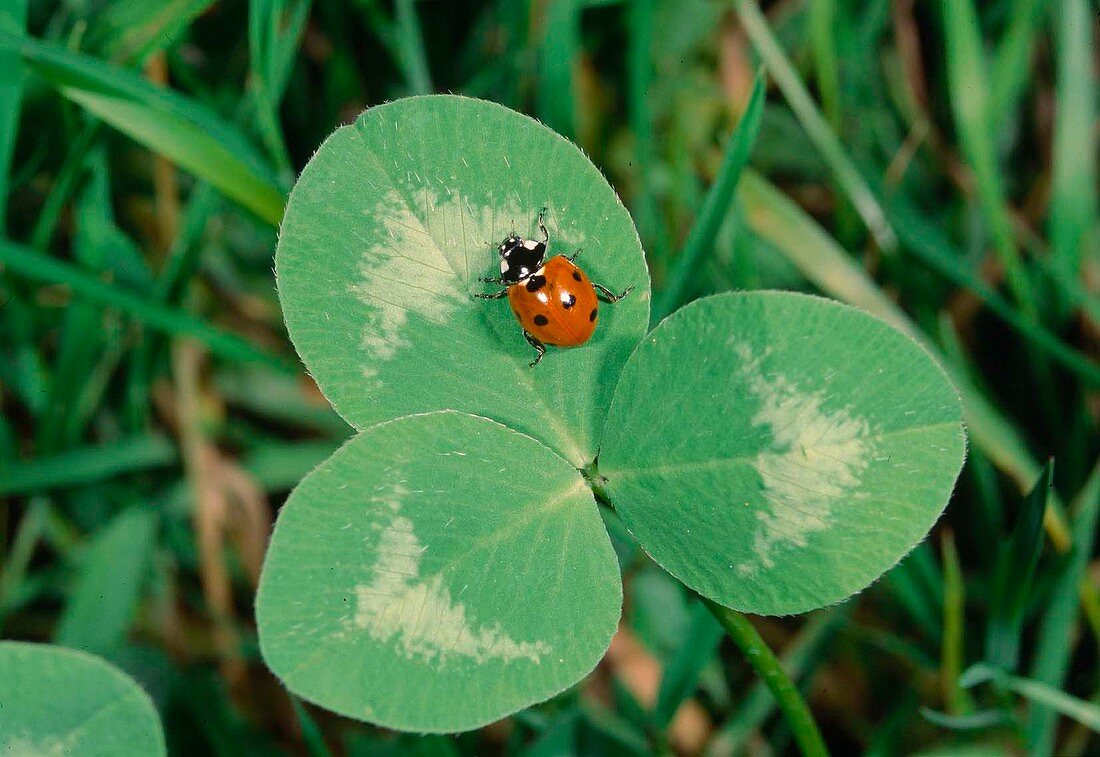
x: 165, y: 122
x: 827, y: 142
x: 975, y: 721
x: 1073, y: 202
x: 911, y: 592
x: 954, y: 628
x: 614, y: 734
x: 639, y: 62
x: 13, y: 20
x: 1085, y: 713
x: 822, y: 20
x: 133, y: 30
x: 312, y: 737
x: 410, y: 44
x: 14, y: 570
x: 682, y: 674
x: 969, y: 90
x: 700, y: 240
x: 28, y: 377
x: 1054, y: 647
x: 64, y: 183
x: 274, y: 30
x: 82, y: 335
x: 112, y: 575
x: 89, y: 464
x: 561, y: 46
x: 1016, y: 564
x: 35, y: 266
x: 1011, y: 65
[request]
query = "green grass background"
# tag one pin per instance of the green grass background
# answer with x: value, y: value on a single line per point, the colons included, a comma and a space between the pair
x: 932, y: 162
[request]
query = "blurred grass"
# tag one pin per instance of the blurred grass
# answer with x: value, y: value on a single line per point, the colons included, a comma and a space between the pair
x: 933, y: 164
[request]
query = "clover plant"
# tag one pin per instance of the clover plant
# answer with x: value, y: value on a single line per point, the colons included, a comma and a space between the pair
x: 55, y: 700
x: 775, y: 452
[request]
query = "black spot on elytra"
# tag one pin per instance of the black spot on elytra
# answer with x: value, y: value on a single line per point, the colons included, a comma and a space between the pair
x: 592, y: 315
x: 541, y: 320
x: 568, y: 301
x: 535, y: 283
x: 577, y: 276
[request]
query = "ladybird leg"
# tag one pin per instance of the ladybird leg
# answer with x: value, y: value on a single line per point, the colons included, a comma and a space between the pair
x: 492, y: 295
x: 610, y: 296
x: 542, y: 227
x: 490, y: 279
x: 540, y: 348
x: 573, y: 257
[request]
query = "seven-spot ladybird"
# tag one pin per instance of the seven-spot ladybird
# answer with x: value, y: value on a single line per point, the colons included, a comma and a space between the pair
x: 554, y: 302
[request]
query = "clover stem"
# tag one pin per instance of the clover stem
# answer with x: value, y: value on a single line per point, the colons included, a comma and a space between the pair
x: 797, y: 713
x: 596, y: 483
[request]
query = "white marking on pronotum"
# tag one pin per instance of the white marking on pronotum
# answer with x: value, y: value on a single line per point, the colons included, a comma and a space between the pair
x: 816, y: 460
x: 418, y: 612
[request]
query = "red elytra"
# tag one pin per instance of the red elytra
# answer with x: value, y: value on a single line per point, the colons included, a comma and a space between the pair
x: 557, y: 304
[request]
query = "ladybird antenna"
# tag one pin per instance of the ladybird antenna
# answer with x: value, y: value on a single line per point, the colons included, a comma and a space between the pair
x: 513, y: 227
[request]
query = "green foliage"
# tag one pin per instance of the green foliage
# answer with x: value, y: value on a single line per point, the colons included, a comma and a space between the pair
x: 274, y: 31
x: 700, y: 240
x: 60, y: 701
x: 38, y: 267
x: 88, y: 465
x: 179, y: 128
x: 1017, y: 559
x: 136, y: 29
x: 12, y: 21
x: 1054, y: 648
x: 112, y: 575
x: 1074, y: 201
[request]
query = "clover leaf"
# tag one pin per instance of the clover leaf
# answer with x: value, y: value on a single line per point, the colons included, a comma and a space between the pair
x: 810, y: 448
x: 62, y: 701
x: 437, y: 573
x: 385, y: 235
x: 448, y: 566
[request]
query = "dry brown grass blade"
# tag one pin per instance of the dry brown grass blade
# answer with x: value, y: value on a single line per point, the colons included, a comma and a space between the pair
x: 204, y: 471
x: 165, y: 184
x: 249, y: 517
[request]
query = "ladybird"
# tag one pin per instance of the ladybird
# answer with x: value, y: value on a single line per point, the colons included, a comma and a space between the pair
x: 554, y: 300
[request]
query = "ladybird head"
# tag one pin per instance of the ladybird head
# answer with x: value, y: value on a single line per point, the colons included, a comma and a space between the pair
x: 519, y: 258
x: 509, y: 245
